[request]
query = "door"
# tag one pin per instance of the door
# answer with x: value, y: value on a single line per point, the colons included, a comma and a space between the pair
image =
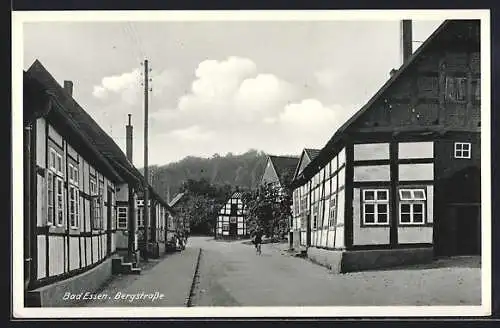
x: 308, y: 230
x: 233, y: 226
x: 458, y: 226
x: 109, y: 221
x: 468, y: 231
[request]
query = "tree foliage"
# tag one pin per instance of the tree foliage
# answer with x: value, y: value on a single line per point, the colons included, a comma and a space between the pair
x: 269, y: 208
x: 201, y: 204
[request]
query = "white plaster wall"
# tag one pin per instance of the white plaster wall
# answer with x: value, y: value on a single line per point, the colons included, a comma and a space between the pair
x: 341, y: 156
x: 56, y: 137
x: 430, y: 204
x: 41, y: 257
x: 122, y: 193
x: 412, y: 172
x: 372, y: 173
x: 41, y: 152
x: 414, y: 235
x: 371, y: 151
x: 416, y: 150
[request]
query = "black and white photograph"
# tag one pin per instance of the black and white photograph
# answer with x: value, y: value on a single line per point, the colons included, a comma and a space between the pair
x: 251, y: 164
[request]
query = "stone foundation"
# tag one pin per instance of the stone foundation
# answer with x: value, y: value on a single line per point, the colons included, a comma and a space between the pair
x: 341, y: 261
x: 53, y: 295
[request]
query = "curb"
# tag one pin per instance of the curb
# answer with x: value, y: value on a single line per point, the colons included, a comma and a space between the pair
x: 187, y: 303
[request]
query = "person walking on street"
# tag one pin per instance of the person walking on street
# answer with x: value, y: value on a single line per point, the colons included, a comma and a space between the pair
x: 258, y: 241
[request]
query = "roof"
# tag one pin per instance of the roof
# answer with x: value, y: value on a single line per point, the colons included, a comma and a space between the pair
x: 96, y: 135
x: 176, y: 199
x: 237, y: 195
x: 93, y: 132
x: 312, y: 153
x: 285, y: 167
x: 40, y: 102
x: 337, y: 138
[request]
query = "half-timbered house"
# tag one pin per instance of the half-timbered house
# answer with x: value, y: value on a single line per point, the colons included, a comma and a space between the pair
x: 83, y: 197
x: 231, y: 222
x: 159, y: 212
x: 176, y: 222
x: 70, y: 223
x: 399, y: 182
x: 297, y: 226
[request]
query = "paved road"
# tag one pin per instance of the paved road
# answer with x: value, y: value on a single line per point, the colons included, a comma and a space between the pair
x: 164, y: 284
x: 231, y: 274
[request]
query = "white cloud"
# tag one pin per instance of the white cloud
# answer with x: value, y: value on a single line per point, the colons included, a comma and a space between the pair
x: 308, y: 113
x: 126, y: 85
x: 192, y: 133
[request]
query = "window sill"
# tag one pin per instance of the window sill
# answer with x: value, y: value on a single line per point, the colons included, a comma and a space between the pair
x: 385, y: 225
x: 415, y: 225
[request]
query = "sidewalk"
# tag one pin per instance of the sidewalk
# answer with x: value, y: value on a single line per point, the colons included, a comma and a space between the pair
x: 168, y: 283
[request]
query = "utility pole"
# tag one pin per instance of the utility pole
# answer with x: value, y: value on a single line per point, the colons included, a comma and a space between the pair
x: 146, y: 171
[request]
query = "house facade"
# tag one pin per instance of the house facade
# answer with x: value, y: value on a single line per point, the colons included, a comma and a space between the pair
x: 400, y: 181
x: 159, y: 212
x: 297, y: 224
x: 82, y: 196
x: 71, y: 223
x: 231, y: 222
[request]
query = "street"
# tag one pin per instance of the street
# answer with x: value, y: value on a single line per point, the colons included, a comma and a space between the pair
x: 231, y: 274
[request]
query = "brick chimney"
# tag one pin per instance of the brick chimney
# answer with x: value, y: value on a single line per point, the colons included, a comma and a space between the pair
x: 129, y: 138
x: 406, y: 40
x: 68, y: 87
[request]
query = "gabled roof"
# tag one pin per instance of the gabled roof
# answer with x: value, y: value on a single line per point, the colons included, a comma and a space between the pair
x: 39, y: 101
x: 337, y: 138
x: 284, y: 167
x: 310, y: 154
x: 176, y: 199
x: 96, y: 135
x: 237, y: 194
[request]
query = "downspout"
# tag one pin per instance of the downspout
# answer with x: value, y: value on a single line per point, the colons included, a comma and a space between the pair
x: 27, y: 166
x: 33, y: 204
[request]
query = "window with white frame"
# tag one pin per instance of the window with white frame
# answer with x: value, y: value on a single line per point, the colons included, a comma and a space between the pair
x: 59, y: 163
x: 375, y: 205
x: 73, y: 206
x: 315, y: 221
x: 412, y: 206
x: 55, y: 190
x: 225, y: 226
x: 462, y: 150
x: 59, y: 201
x: 96, y: 209
x: 333, y: 211
x: 50, y: 197
x: 122, y: 217
x: 74, y: 196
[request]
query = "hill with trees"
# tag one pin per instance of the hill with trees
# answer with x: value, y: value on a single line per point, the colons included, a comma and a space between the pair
x: 243, y: 171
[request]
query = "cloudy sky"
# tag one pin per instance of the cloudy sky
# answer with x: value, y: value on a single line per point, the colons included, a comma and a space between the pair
x: 221, y: 87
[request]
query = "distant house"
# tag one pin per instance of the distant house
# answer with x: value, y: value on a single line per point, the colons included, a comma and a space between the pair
x: 159, y: 214
x: 231, y: 222
x: 176, y: 204
x: 400, y: 180
x: 296, y: 233
x: 279, y: 171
